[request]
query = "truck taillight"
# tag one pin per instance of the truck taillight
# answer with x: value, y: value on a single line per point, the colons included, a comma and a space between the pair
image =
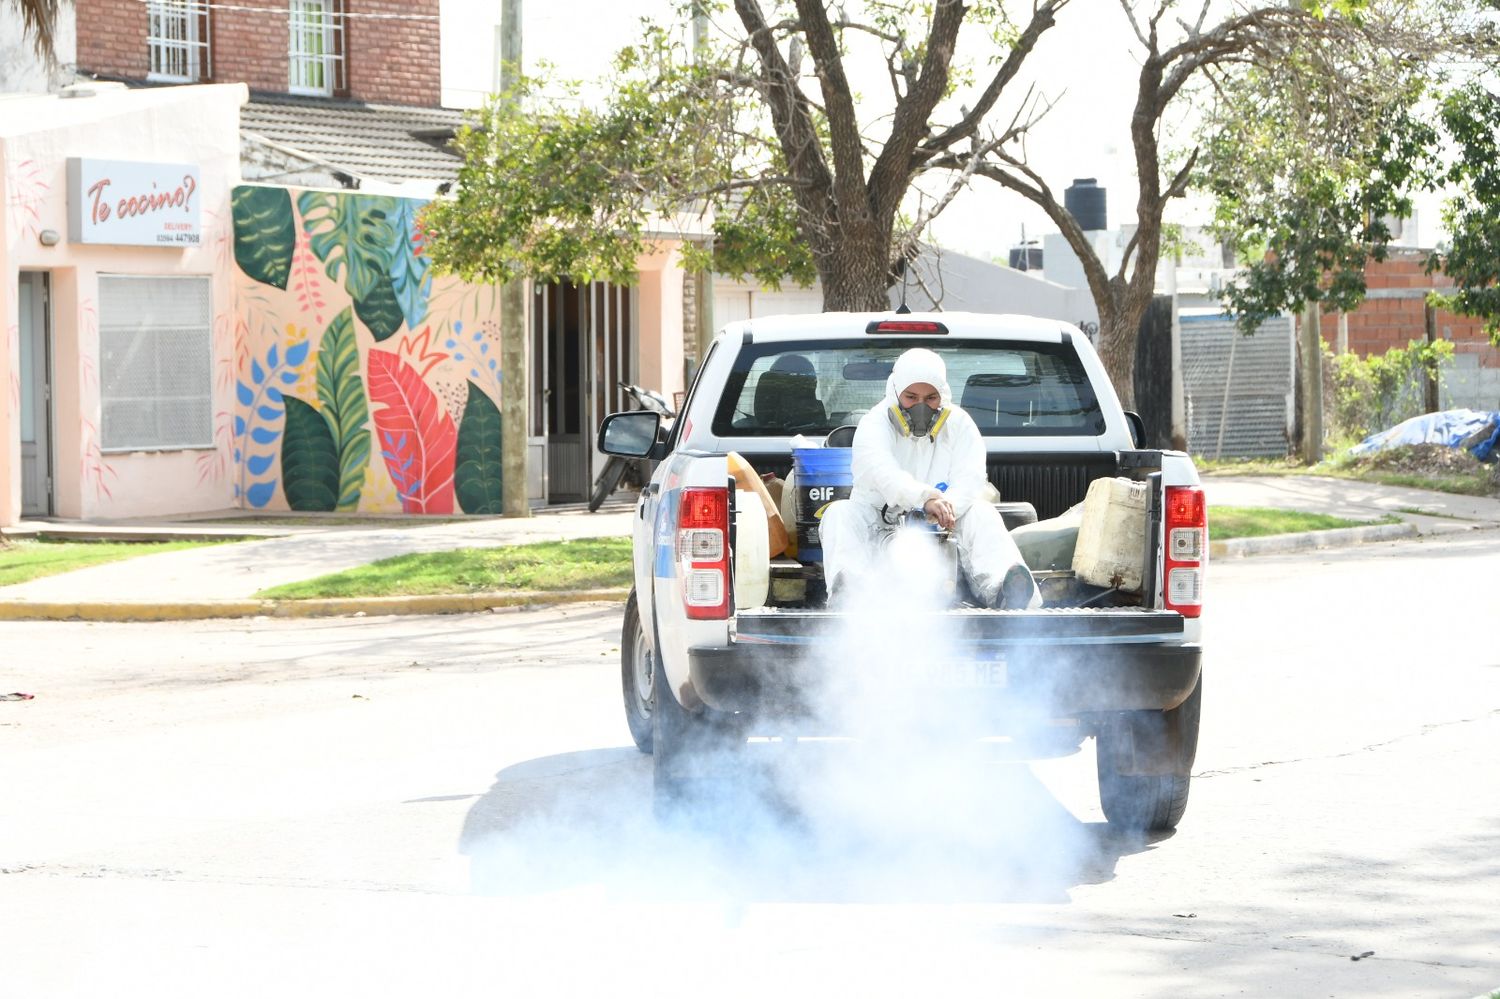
x: 1187, y: 549
x: 703, y: 553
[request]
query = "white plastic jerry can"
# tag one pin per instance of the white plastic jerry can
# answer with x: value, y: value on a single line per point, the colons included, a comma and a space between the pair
x: 1112, y: 537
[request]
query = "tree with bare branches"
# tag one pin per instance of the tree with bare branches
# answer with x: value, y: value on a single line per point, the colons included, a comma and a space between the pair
x: 804, y: 176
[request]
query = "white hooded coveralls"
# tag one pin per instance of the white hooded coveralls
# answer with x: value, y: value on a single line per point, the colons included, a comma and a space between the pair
x: 899, y: 472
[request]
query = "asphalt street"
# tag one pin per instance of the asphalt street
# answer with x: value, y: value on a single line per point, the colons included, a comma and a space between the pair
x: 451, y: 806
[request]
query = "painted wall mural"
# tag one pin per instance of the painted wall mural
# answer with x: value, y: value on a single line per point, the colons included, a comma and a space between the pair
x: 363, y: 383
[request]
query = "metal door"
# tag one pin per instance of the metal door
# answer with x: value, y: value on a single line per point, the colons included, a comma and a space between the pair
x: 582, y: 347
x: 36, y: 396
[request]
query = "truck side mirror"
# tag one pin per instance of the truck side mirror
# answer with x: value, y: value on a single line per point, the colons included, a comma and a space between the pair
x: 1137, y: 428
x: 630, y: 435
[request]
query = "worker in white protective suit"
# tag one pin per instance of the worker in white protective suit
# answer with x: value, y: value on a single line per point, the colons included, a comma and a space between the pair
x: 917, y: 451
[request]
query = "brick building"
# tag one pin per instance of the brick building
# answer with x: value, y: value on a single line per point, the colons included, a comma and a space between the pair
x: 1393, y: 315
x: 369, y: 51
x: 344, y: 93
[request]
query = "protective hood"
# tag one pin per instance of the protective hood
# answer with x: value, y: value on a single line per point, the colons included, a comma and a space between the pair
x: 918, y: 365
x: 919, y: 420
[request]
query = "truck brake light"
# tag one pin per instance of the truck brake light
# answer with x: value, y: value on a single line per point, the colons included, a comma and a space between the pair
x: 703, y: 553
x: 905, y: 326
x: 1187, y: 549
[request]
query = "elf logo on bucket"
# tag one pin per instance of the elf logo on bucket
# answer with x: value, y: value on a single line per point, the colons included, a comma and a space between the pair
x: 822, y: 494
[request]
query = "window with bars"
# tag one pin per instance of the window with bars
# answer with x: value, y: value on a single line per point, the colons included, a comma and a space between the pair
x: 316, y: 56
x: 155, y: 363
x: 177, y: 40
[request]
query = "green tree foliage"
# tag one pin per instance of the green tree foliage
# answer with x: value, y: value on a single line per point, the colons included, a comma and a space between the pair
x: 1306, y: 190
x: 779, y: 173
x: 1471, y: 117
x: 1307, y: 174
x: 1379, y: 391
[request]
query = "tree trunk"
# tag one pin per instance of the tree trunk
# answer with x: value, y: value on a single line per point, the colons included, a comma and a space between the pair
x: 855, y: 275
x: 1118, y: 329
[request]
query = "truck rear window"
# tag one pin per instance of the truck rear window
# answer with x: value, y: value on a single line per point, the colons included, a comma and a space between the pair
x: 1010, y: 388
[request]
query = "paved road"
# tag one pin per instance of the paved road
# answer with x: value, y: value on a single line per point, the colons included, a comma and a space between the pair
x: 450, y: 806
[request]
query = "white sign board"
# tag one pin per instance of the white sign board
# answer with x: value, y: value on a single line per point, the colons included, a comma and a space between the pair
x: 125, y: 203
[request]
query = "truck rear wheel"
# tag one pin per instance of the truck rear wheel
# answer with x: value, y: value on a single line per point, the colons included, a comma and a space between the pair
x: 1145, y: 761
x: 637, y: 675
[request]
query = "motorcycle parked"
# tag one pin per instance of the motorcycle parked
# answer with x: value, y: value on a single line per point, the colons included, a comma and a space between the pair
x: 616, y: 467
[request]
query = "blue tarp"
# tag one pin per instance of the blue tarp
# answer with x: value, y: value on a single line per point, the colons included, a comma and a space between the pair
x: 1450, y: 428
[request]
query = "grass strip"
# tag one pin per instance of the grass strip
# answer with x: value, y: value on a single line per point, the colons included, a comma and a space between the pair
x: 589, y: 563
x: 22, y: 560
x: 1479, y: 482
x: 1227, y: 522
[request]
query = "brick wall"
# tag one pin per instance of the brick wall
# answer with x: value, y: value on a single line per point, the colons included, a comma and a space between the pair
x: 1383, y: 323
x: 112, y: 38
x: 250, y: 46
x: 387, y: 61
x: 394, y: 61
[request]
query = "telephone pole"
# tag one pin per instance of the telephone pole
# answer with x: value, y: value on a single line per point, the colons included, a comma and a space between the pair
x: 1312, y: 383
x: 515, y: 380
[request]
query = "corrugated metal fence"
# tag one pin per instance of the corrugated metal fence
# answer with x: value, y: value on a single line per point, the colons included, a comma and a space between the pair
x: 1238, y: 388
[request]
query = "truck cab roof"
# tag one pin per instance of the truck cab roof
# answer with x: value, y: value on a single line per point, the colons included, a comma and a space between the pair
x: 842, y: 324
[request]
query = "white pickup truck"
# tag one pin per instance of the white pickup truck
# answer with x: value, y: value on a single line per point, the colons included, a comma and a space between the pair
x: 705, y: 667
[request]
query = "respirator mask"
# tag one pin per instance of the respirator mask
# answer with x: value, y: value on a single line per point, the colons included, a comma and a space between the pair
x: 920, y: 420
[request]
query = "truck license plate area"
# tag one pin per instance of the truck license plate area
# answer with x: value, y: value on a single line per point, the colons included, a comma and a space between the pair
x: 948, y: 674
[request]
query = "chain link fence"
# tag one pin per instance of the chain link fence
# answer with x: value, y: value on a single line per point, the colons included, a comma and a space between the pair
x: 1238, y: 389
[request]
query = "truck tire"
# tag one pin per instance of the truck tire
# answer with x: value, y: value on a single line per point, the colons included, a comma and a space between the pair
x: 637, y: 675
x: 1145, y: 761
x: 694, y: 753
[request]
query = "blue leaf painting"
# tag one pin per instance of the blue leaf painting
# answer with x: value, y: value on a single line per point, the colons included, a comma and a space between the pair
x: 297, y: 353
x: 243, y: 393
x: 409, y: 278
x: 257, y: 373
x: 239, y: 431
x: 259, y: 464
x: 273, y: 358
x: 264, y: 435
x: 289, y: 377
x: 260, y: 494
x: 274, y: 394
x: 268, y: 412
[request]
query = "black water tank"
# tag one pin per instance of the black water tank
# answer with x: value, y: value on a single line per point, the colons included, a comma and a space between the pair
x: 1085, y: 201
x: 1026, y: 257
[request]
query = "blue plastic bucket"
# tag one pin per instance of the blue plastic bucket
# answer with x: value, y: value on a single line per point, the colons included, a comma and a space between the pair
x: 824, y: 474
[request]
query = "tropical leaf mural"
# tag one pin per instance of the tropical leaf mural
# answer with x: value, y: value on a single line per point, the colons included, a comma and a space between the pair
x: 417, y: 437
x: 265, y: 234
x: 309, y: 460
x: 410, y: 279
x: 342, y: 395
x: 476, y: 478
x: 355, y: 236
x: 257, y: 429
x: 312, y: 412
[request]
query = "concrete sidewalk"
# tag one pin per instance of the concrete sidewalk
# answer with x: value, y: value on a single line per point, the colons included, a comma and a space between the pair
x: 222, y: 580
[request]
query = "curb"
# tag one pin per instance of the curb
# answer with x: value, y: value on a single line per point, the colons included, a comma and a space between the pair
x: 438, y: 603
x: 1307, y: 540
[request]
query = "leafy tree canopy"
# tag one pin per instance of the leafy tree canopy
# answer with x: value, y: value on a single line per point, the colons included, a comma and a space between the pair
x: 1471, y: 118
x: 1307, y: 178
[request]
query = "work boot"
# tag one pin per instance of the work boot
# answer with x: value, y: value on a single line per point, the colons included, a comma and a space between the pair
x: 1016, y: 589
x: 838, y: 591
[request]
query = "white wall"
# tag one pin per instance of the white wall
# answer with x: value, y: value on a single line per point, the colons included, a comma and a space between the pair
x: 196, y: 124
